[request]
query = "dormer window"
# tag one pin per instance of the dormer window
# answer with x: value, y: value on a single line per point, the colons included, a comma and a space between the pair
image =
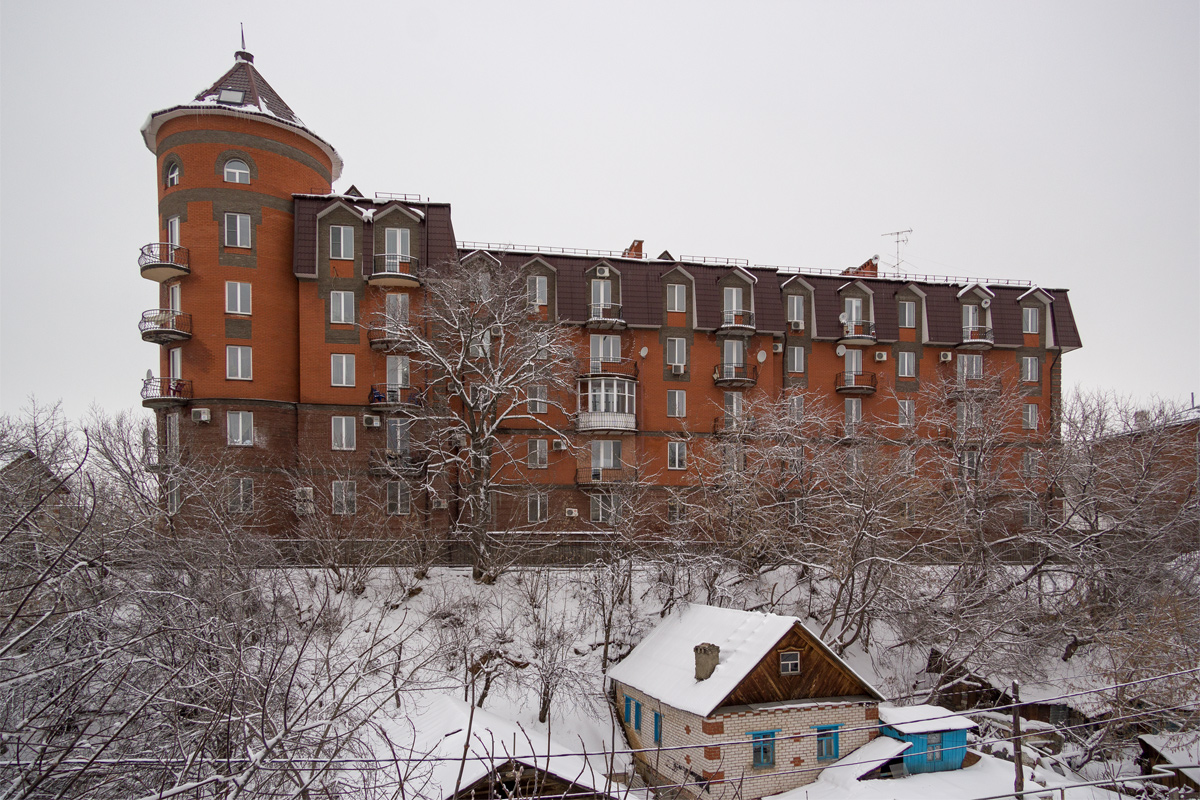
x: 173, y: 173
x: 236, y: 171
x: 676, y: 297
x: 854, y: 311
x: 1029, y: 320
x: 733, y: 302
x: 232, y: 96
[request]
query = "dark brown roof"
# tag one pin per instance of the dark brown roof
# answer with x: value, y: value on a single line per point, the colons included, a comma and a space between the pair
x: 257, y: 93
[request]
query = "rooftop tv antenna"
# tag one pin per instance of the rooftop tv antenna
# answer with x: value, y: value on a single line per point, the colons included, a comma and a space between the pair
x: 901, y: 237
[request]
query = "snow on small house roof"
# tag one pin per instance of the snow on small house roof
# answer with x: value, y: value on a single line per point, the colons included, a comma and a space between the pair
x: 1178, y: 748
x: 922, y: 719
x: 857, y: 763
x: 663, y: 665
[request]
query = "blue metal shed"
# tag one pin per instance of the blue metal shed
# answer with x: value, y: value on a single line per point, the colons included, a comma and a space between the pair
x: 938, y: 736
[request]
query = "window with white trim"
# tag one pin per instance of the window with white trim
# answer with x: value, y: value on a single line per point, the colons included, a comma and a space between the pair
x: 345, y: 497
x: 1029, y: 320
x: 537, y: 506
x: 174, y: 492
x: 237, y: 230
x: 795, y: 511
x: 341, y: 307
x: 343, y: 433
x: 733, y: 407
x: 237, y: 298
x: 173, y: 173
x: 241, y: 495
x: 676, y: 351
x: 906, y: 364
x: 341, y: 242
x: 397, y: 375
x: 676, y: 510
x: 732, y: 302
x: 676, y: 297
x: 538, y: 399
x: 395, y: 312
x: 1029, y: 369
x: 341, y: 369
x: 795, y: 308
x: 676, y: 403
x: 606, y: 454
x: 795, y: 359
x: 906, y: 314
x: 537, y: 456
x: 1029, y: 416
x: 601, y: 295
x: 969, y: 416
x: 539, y: 290
x: 796, y: 407
x: 603, y: 508
x: 906, y: 415
x: 676, y: 455
x: 396, y: 246
x: 173, y: 230
x: 236, y: 171
x: 968, y: 462
x: 853, y: 411
x: 970, y: 366
x: 1029, y: 463
x: 239, y: 428
x: 399, y: 498
x: 238, y: 363
x: 605, y: 347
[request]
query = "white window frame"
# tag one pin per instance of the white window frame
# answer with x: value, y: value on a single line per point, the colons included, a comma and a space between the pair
x: 344, y: 495
x: 237, y: 298
x: 606, y: 454
x: 173, y: 230
x: 341, y: 308
x: 852, y: 409
x: 399, y: 499
x: 906, y: 364
x: 676, y: 351
x: 341, y: 369
x: 796, y: 407
x: 731, y: 300
x: 398, y: 373
x: 173, y: 174
x: 395, y: 311
x: 239, y: 428
x: 854, y: 311
x: 601, y: 292
x: 1031, y: 319
x: 342, y: 433
x: 396, y: 242
x: 175, y: 362
x: 676, y: 297
x: 539, y: 399
x: 341, y: 242
x: 1029, y: 463
x: 678, y: 399
x: 968, y: 416
x: 677, y: 455
x: 538, y: 454
x: 603, y: 508
x: 236, y: 171
x: 241, y: 496
x: 539, y: 290
x: 734, y: 407
x: 537, y: 506
x: 239, y: 362
x: 242, y: 235
x: 906, y: 413
x: 1029, y: 369
x: 795, y: 359
x: 906, y: 314
x: 795, y: 309
x: 1029, y: 416
x: 970, y: 366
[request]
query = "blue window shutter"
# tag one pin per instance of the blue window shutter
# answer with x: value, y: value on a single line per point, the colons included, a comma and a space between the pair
x: 657, y: 728
x: 628, y: 707
x: 637, y: 716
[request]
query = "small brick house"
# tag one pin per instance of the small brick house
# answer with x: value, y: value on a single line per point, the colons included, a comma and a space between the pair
x: 721, y: 702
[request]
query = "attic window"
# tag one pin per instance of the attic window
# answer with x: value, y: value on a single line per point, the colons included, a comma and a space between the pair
x: 231, y: 96
x: 789, y: 663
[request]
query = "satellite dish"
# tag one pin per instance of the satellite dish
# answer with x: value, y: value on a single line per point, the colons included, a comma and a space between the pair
x: 149, y: 374
x: 986, y: 303
x: 842, y: 318
x: 841, y: 350
x: 645, y: 351
x: 762, y: 356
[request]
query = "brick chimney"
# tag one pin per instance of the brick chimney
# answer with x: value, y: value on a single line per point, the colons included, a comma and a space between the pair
x: 707, y: 656
x: 868, y: 269
x: 634, y: 250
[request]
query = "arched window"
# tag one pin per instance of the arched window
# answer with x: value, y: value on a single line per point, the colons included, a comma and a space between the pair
x: 236, y: 171
x: 173, y: 173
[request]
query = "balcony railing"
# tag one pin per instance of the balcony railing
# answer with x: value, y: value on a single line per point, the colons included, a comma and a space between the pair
x: 858, y: 330
x: 597, y: 476
x: 592, y: 421
x: 976, y: 337
x: 158, y: 458
x: 385, y: 461
x: 394, y: 395
x: 734, y: 424
x: 605, y: 315
x: 855, y: 382
x: 626, y: 367
x: 976, y: 385
x: 162, y: 326
x: 737, y: 320
x: 161, y: 261
x: 162, y: 392
x: 383, y: 338
x: 735, y: 374
x: 393, y: 269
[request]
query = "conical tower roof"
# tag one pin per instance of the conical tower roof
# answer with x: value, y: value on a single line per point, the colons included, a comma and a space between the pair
x: 241, y: 91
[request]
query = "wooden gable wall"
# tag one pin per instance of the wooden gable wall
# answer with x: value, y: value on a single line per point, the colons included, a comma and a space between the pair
x: 820, y: 675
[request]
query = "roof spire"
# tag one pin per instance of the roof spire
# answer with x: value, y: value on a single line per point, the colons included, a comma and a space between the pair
x: 243, y: 54
x: 242, y: 25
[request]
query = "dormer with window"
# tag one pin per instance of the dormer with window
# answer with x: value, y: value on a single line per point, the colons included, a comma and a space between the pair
x: 798, y: 303
x: 541, y: 289
x: 396, y: 232
x: 857, y: 319
x: 679, y: 299
x: 1036, y: 330
x: 604, y: 297
x: 976, y: 301
x: 737, y: 303
x: 339, y: 240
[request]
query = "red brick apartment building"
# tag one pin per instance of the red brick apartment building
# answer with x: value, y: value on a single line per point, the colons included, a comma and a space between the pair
x: 274, y: 366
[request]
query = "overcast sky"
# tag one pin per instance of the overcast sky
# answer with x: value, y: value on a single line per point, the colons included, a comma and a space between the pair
x: 1055, y: 142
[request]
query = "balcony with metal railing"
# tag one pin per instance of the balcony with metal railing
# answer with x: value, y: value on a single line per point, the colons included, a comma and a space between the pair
x: 605, y: 315
x: 738, y: 322
x: 395, y: 269
x: 605, y: 422
x: 622, y: 367
x: 384, y: 337
x: 395, y: 397
x: 383, y: 461
x: 164, y: 326
x: 734, y: 425
x: 857, y: 331
x: 976, y: 337
x: 587, y: 477
x: 165, y: 392
x: 162, y: 261
x: 735, y: 374
x: 965, y: 385
x: 855, y: 383
x: 160, y: 458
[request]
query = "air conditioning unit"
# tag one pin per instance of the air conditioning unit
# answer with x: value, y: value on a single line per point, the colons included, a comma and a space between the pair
x: 945, y: 356
x: 303, y: 497
x: 777, y: 347
x: 677, y: 369
x: 201, y: 415
x: 572, y: 512
x: 601, y: 272
x: 881, y: 356
x: 370, y: 421
x: 558, y: 444
x: 797, y: 324
x: 440, y: 505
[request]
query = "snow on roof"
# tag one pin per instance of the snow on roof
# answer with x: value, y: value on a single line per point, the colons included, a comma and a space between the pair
x: 7, y: 457
x: 663, y: 665
x: 922, y: 719
x: 1178, y: 748
x: 871, y: 755
x: 438, y: 730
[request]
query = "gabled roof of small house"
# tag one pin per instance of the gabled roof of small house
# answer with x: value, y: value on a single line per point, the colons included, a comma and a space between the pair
x: 437, y: 731
x: 663, y: 665
x: 1177, y: 748
x: 922, y: 719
